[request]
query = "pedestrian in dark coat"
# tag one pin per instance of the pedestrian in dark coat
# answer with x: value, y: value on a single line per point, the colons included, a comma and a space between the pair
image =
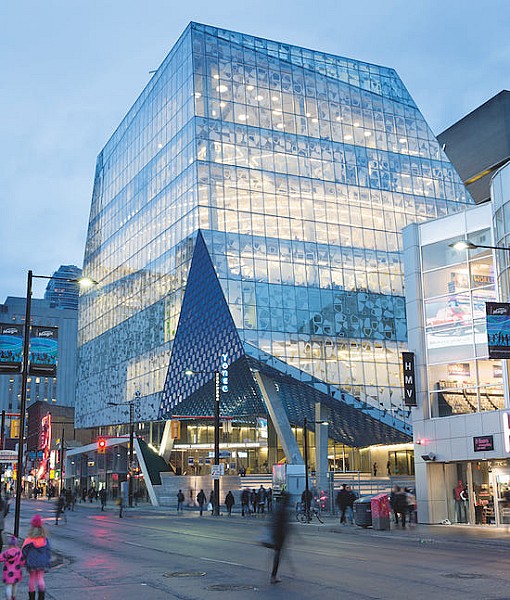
x: 229, y: 502
x: 201, y: 501
x: 342, y: 501
x: 211, y: 502
x: 245, y: 501
x: 279, y: 530
x: 4, y: 509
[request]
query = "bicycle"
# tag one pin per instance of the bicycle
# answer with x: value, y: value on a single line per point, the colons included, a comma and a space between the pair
x: 304, y: 516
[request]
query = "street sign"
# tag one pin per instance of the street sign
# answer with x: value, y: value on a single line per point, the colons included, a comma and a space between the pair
x: 217, y: 471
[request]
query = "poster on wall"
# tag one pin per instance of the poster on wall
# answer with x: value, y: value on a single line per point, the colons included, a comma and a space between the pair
x: 459, y: 370
x: 11, y: 347
x: 498, y: 329
x: 43, y: 351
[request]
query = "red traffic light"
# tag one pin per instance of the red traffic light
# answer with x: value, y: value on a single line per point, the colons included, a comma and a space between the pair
x: 101, y: 445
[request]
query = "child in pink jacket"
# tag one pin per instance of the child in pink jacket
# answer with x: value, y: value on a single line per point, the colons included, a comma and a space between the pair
x: 11, y: 573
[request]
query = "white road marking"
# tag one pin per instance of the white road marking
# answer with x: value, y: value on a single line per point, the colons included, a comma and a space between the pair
x: 226, y: 562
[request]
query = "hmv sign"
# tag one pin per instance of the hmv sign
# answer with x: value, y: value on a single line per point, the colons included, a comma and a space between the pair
x: 409, y: 379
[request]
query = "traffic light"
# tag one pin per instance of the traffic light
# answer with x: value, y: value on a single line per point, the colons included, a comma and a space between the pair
x: 101, y: 445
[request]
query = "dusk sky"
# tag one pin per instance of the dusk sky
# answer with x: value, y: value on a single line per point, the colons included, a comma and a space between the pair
x: 71, y: 70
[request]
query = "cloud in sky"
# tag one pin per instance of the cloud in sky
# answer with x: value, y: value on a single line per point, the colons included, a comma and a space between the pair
x: 71, y: 71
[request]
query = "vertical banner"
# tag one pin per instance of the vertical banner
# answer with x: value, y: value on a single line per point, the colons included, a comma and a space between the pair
x: 11, y: 347
x: 224, y: 373
x: 43, y: 351
x: 409, y: 379
x: 45, y: 446
x: 498, y: 329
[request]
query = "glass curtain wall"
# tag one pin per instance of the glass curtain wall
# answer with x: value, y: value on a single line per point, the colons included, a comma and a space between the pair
x: 456, y: 286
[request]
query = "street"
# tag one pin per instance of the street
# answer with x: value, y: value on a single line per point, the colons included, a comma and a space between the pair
x: 154, y: 555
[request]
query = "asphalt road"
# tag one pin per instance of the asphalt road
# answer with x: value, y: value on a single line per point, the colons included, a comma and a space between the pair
x: 145, y: 555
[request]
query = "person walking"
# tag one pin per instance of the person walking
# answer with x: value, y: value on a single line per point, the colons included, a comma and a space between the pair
x: 245, y: 501
x: 11, y: 572
x: 261, y: 499
x: 4, y: 509
x: 36, y: 552
x: 350, y: 506
x: 279, y: 530
x: 60, y: 507
x: 253, y: 501
x: 180, y: 501
x: 201, y: 501
x: 102, y: 497
x: 120, y: 503
x: 375, y: 469
x: 229, y: 502
x: 269, y: 498
x: 342, y: 501
x: 400, y: 506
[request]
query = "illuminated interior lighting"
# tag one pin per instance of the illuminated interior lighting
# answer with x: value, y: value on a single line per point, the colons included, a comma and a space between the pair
x: 259, y: 98
x: 243, y: 117
x: 279, y: 125
x: 223, y: 104
x: 214, y: 113
x: 315, y: 120
x: 277, y: 112
x: 403, y: 140
x: 216, y: 76
x: 274, y: 98
x: 249, y: 88
x: 339, y: 118
x: 221, y: 88
x: 348, y: 136
x: 367, y: 133
x: 308, y: 114
x: 197, y: 94
x: 356, y: 124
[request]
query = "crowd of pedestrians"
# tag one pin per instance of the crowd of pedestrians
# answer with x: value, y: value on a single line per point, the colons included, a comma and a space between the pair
x: 252, y: 501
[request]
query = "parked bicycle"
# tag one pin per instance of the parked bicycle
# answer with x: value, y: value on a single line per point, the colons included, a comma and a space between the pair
x: 307, y: 516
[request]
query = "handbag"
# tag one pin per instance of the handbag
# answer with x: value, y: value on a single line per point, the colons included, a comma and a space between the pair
x: 209, y: 506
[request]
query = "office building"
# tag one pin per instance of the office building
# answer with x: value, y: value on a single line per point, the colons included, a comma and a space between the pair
x: 61, y: 292
x: 479, y: 144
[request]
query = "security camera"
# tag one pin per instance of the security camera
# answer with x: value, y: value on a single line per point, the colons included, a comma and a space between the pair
x: 429, y: 457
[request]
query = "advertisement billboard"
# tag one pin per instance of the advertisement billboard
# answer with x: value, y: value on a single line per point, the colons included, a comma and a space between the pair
x: 43, y: 351
x: 498, y: 329
x: 11, y: 347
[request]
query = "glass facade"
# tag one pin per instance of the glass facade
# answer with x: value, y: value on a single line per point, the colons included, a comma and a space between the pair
x: 456, y: 286
x: 300, y: 170
x: 61, y: 293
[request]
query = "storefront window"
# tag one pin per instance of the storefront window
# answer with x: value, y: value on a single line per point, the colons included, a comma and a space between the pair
x: 457, y: 286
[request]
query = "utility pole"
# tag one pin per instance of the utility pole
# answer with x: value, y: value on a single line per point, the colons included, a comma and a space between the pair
x: 131, y: 449
x: 216, y: 482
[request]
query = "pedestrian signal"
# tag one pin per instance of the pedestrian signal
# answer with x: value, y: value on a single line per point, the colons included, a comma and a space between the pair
x: 101, y: 445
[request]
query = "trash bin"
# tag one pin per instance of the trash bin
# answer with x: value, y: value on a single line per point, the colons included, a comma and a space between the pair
x: 363, y: 511
x: 380, y: 505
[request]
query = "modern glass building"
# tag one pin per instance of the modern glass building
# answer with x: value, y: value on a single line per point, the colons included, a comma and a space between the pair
x: 250, y: 204
x: 62, y: 293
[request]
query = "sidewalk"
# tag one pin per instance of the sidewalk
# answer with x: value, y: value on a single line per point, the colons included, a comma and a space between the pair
x: 425, y: 534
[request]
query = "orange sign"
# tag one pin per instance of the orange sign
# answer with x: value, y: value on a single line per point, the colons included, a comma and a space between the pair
x: 175, y: 429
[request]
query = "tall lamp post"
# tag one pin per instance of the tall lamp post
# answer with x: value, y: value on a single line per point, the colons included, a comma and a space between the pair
x: 217, y: 389
x: 84, y: 282
x: 308, y: 500
x: 137, y: 397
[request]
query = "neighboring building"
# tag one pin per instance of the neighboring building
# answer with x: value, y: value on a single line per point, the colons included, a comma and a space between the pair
x: 59, y: 389
x: 458, y: 426
x: 250, y: 203
x: 479, y: 144
x: 61, y: 292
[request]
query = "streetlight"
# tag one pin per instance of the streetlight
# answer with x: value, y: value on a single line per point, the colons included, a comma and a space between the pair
x: 216, y: 481
x: 467, y: 245
x: 305, y: 452
x: 137, y: 397
x: 86, y: 282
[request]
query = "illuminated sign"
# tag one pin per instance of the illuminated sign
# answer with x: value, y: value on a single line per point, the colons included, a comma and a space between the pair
x: 409, y: 379
x: 498, y: 329
x: 175, y: 429
x: 11, y: 347
x: 43, y: 351
x: 45, y: 445
x: 224, y: 373
x: 483, y: 443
